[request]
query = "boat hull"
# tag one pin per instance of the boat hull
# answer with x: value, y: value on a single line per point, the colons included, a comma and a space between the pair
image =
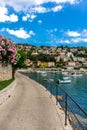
x: 64, y: 81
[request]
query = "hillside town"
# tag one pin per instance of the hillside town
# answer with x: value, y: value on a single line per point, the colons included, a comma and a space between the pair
x: 53, y: 57
x: 64, y: 57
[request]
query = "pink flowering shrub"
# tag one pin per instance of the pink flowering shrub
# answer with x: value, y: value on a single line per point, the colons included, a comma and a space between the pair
x: 7, y: 52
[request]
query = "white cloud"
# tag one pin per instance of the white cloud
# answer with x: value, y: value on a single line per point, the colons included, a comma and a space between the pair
x: 24, y: 18
x: 38, y: 9
x: 67, y: 1
x: 5, y: 17
x: 73, y: 33
x: 77, y: 40
x: 55, y: 29
x: 33, y: 16
x: 3, y: 10
x: 84, y: 33
x: 41, y: 9
x: 39, y: 21
x: 51, y: 31
x: 24, y: 5
x: 13, y: 18
x: 31, y: 33
x: 21, y: 33
x: 84, y: 39
x: 74, y: 37
x: 65, y: 41
x: 57, y: 8
x: 29, y: 17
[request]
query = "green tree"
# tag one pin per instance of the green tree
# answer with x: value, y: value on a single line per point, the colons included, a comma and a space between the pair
x: 21, y: 56
x: 46, y: 57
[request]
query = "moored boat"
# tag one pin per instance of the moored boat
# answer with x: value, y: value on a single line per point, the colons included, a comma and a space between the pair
x: 43, y: 73
x: 65, y: 80
x: 76, y: 74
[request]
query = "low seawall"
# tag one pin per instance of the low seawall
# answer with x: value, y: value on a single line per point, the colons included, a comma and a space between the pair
x: 6, y: 93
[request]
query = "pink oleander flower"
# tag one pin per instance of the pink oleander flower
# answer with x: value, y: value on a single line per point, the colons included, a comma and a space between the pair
x: 11, y: 49
x: 2, y: 43
x: 12, y: 61
x: 7, y: 52
x: 4, y: 51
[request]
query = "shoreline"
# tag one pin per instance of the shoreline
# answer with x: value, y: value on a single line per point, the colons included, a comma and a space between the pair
x: 74, y: 79
x: 54, y: 70
x: 58, y: 108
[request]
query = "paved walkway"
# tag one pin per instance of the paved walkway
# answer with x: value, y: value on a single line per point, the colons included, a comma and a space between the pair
x: 29, y: 108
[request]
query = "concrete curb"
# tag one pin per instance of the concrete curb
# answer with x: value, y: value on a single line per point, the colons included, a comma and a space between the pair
x: 6, y: 93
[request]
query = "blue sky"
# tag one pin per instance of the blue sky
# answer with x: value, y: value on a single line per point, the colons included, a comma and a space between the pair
x: 44, y: 22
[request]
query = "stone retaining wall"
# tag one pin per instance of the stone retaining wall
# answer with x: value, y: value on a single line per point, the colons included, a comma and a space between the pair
x: 6, y: 93
x: 5, y: 72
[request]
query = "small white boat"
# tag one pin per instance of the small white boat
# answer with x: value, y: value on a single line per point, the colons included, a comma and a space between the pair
x: 65, y: 80
x: 43, y: 73
x: 65, y: 73
x: 76, y: 75
x: 38, y: 71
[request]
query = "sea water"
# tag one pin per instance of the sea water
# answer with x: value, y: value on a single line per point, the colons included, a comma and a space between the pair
x: 77, y: 89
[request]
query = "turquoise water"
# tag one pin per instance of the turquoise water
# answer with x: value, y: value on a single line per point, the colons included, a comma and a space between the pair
x: 77, y: 89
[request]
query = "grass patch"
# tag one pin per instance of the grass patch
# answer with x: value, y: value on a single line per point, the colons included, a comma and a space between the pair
x: 4, y: 84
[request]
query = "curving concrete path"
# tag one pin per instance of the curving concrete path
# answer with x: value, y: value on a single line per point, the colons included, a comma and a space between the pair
x: 29, y: 108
